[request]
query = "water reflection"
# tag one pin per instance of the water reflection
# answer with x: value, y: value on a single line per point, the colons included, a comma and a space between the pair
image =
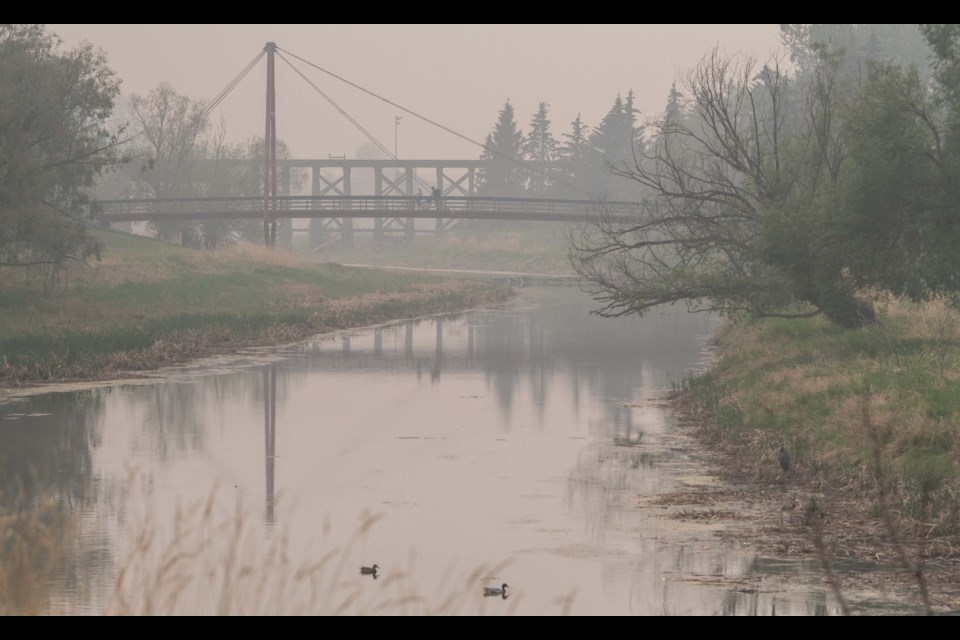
x: 45, y: 451
x: 525, y: 441
x: 270, y: 433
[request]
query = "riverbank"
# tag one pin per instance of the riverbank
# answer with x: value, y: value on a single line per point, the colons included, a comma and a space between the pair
x: 869, y: 418
x: 150, y: 304
x: 539, y: 248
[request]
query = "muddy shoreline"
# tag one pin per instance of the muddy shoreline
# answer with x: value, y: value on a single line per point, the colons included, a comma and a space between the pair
x: 800, y: 516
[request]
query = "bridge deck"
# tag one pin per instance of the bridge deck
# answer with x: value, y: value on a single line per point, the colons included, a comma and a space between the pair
x: 473, y: 208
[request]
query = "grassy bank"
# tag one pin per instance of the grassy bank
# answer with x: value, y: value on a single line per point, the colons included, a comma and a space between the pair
x: 149, y: 304
x: 873, y: 414
x: 524, y: 247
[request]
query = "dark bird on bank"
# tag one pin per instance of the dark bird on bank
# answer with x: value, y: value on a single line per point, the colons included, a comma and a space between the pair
x: 784, y: 459
x: 369, y: 571
x: 495, y: 591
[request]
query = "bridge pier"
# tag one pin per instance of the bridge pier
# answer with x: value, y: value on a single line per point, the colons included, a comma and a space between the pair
x: 346, y: 228
x: 284, y: 225
x: 320, y: 227
x: 438, y: 356
x: 409, y: 228
x: 377, y: 191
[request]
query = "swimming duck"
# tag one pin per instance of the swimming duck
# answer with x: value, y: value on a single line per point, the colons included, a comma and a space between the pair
x: 369, y: 571
x: 495, y: 591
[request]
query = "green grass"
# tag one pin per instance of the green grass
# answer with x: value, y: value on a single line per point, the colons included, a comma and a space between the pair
x: 831, y: 394
x: 154, y: 303
x: 532, y: 247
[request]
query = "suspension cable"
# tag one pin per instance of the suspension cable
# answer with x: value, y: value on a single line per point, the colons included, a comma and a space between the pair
x: 433, y: 122
x: 352, y: 120
x: 231, y: 85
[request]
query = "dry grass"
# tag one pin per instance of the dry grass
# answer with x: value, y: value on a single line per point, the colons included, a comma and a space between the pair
x: 31, y: 554
x: 152, y: 304
x: 215, y: 561
x: 805, y: 384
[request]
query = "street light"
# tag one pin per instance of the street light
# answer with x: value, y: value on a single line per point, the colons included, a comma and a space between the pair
x: 396, y: 123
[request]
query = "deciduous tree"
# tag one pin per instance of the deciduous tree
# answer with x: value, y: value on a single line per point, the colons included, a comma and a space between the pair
x: 739, y: 195
x: 55, y: 138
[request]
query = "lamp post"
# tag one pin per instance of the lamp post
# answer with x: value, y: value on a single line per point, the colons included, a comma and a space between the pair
x: 396, y: 124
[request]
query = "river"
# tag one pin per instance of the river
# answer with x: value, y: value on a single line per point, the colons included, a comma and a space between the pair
x: 456, y: 453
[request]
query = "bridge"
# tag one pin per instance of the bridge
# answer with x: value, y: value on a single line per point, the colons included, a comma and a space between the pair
x: 333, y: 203
x: 390, y: 213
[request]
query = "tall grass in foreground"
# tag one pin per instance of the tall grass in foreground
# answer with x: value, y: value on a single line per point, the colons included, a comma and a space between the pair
x: 214, y: 563
x: 870, y: 413
x: 872, y: 420
x: 209, y: 559
x: 210, y: 562
x: 803, y: 383
x: 32, y: 540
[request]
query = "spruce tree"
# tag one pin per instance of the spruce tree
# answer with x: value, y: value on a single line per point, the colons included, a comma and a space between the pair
x: 503, y: 174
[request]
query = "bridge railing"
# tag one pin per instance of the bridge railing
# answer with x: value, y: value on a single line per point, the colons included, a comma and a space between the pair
x: 357, y: 206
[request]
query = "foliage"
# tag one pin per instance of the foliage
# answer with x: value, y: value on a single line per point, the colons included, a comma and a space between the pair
x: 503, y: 175
x: 812, y: 385
x: 856, y: 46
x: 788, y: 194
x: 171, y: 139
x: 540, y: 145
x: 54, y: 140
x: 583, y: 169
x: 737, y: 194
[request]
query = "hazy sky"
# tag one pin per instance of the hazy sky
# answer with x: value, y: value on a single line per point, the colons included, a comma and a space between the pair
x: 457, y: 75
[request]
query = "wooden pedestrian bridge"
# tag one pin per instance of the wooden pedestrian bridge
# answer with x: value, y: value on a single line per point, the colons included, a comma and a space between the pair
x: 390, y: 214
x: 384, y: 207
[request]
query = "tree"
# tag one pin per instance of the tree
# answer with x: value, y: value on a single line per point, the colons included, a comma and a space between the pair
x: 585, y: 170
x: 737, y: 199
x: 674, y: 110
x: 171, y: 135
x: 576, y: 147
x: 614, y: 137
x: 857, y: 45
x: 894, y: 190
x: 502, y: 173
x: 248, y: 182
x: 542, y: 146
x: 54, y: 140
x: 614, y: 143
x: 944, y: 40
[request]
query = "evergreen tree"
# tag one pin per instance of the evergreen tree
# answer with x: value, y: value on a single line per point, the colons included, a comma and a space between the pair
x: 613, y: 137
x: 630, y: 115
x: 542, y: 146
x: 613, y: 143
x: 502, y: 173
x: 674, y: 110
x: 584, y: 169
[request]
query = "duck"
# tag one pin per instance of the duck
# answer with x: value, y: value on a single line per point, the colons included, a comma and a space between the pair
x: 369, y: 571
x: 496, y: 591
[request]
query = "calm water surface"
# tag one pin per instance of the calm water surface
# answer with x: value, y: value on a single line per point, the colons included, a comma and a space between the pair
x: 510, y: 445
